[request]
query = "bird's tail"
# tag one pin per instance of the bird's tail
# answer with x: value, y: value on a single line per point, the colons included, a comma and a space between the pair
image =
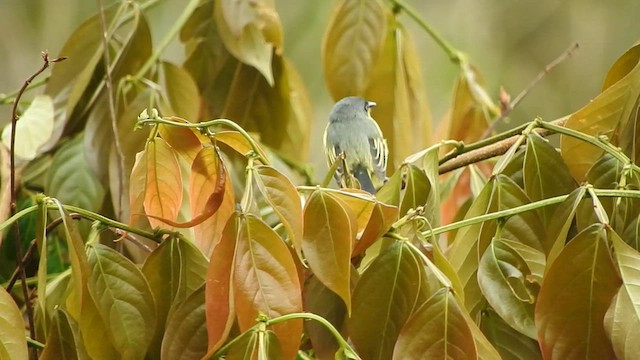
x: 361, y: 173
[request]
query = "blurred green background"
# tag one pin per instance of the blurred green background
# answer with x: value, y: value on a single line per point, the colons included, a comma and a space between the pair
x: 508, y: 41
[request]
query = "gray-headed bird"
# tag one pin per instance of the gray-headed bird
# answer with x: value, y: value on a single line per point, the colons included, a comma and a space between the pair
x: 352, y: 131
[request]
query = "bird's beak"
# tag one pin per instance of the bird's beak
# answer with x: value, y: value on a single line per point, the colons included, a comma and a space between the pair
x: 370, y: 104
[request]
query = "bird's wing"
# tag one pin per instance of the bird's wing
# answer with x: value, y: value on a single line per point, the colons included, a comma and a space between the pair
x: 379, y: 152
x: 332, y: 151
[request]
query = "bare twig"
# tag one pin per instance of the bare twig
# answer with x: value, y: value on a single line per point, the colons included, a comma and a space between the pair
x: 14, y: 120
x: 518, y: 99
x: 489, y: 151
x: 112, y: 105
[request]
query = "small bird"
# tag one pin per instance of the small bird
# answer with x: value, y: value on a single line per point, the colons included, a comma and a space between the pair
x: 353, y: 132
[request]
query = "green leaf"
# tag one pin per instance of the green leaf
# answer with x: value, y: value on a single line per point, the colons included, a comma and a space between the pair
x: 123, y: 299
x: 186, y: 334
x: 33, y: 129
x: 251, y: 31
x: 13, y: 343
x: 63, y: 342
x: 387, y: 294
x: 503, y: 276
x: 132, y: 142
x: 417, y: 189
x: 395, y: 84
x: 582, y: 280
x: 71, y: 180
x: 96, y: 333
x: 609, y: 111
x: 72, y: 79
x: 545, y: 173
x: 352, y: 43
x: 174, y: 270
x: 438, y: 330
x: 469, y: 115
x: 182, y: 91
x: 511, y: 344
x: 255, y: 344
x: 560, y: 225
x: 329, y: 230
x: 79, y: 265
x: 623, y: 317
x: 99, y: 132
x: 471, y: 242
x: 280, y: 113
x: 264, y: 276
x: 283, y: 197
x: 318, y: 299
x: 390, y: 192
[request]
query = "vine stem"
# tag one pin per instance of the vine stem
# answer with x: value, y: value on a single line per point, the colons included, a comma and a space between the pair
x: 142, y: 120
x: 524, y: 208
x: 344, y: 345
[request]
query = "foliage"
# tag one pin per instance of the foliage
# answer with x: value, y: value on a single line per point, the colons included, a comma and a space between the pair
x: 202, y: 234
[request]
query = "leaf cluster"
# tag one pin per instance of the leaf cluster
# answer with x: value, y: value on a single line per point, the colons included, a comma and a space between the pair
x: 202, y: 235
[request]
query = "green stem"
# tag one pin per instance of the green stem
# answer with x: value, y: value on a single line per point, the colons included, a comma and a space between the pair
x: 456, y: 56
x: 506, y: 159
x: 593, y: 140
x: 310, y: 316
x: 35, y: 343
x: 155, y: 236
x: 173, y: 32
x: 524, y: 208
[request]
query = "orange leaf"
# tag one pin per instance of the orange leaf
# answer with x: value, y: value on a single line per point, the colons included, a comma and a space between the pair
x: 265, y: 280
x: 282, y: 195
x: 329, y: 230
x: 382, y: 217
x: 360, y: 203
x: 202, y: 187
x: 182, y: 140
x: 574, y: 297
x: 237, y: 142
x: 211, y: 193
x: 163, y: 192
x: 137, y: 186
x: 218, y: 297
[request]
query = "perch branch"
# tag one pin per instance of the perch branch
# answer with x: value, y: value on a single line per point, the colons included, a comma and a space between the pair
x: 490, y: 150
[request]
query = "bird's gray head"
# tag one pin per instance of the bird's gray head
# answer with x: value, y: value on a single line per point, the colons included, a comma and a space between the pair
x: 350, y: 108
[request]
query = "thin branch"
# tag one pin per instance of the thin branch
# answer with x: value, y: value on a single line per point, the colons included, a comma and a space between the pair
x: 14, y: 120
x: 112, y: 107
x: 456, y: 56
x: 492, y: 150
x: 527, y: 90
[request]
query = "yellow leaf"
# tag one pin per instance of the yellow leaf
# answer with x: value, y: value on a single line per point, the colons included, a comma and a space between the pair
x: 350, y: 48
